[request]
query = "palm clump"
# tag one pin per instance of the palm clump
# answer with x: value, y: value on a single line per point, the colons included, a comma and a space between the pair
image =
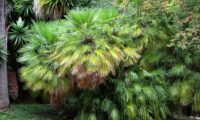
x: 85, y: 49
x: 40, y: 71
x: 140, y: 95
x: 92, y: 48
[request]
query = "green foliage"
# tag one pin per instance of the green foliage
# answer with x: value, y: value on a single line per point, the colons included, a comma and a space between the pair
x: 189, y: 39
x: 18, y: 33
x: 40, y: 72
x: 83, y: 3
x: 24, y: 8
x: 52, y: 9
x: 138, y: 96
x: 185, y: 90
x: 185, y: 69
x: 86, y: 49
x: 9, y: 4
x: 19, y: 8
x: 92, y: 47
x: 192, y: 5
x: 101, y: 3
x: 94, y: 3
x: 142, y: 94
x: 28, y: 112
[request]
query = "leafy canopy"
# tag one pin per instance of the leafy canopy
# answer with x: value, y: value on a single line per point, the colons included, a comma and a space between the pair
x: 85, y: 48
x: 40, y: 71
x: 92, y: 47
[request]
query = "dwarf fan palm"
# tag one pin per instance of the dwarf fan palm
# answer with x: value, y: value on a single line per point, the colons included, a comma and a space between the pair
x: 40, y: 72
x: 92, y: 47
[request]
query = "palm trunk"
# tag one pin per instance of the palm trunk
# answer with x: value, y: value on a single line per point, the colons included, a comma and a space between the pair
x: 4, y: 97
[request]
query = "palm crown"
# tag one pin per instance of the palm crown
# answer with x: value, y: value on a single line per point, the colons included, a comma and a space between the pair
x: 92, y: 47
x: 40, y: 71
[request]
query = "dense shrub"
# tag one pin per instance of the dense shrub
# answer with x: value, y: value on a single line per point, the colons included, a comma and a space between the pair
x: 130, y: 62
x: 85, y: 49
x: 140, y: 95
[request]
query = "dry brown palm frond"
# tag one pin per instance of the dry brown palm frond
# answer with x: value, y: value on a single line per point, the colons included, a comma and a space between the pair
x: 84, y: 79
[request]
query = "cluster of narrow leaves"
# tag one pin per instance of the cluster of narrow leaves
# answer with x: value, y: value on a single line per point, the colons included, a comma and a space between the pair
x: 185, y: 69
x: 141, y: 95
x: 91, y: 44
x: 18, y: 33
x: 86, y: 49
x: 93, y: 47
x: 40, y: 71
x: 24, y: 8
x: 185, y: 72
x: 19, y: 8
x: 185, y: 85
x: 52, y: 9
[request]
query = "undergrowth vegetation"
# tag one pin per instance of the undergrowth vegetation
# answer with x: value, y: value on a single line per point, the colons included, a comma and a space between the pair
x: 116, y: 60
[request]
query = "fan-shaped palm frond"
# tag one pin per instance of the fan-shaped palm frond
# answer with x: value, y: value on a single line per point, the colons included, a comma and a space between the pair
x: 39, y: 71
x: 91, y: 50
x: 141, y: 98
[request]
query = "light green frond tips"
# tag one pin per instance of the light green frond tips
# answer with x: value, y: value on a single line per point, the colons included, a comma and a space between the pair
x: 39, y: 71
x: 92, y: 45
x: 178, y: 70
x: 92, y: 117
x: 196, y: 105
x: 86, y: 18
x: 131, y: 111
x: 114, y: 115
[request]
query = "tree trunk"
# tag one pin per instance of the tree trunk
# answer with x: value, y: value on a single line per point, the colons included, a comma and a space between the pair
x: 4, y: 97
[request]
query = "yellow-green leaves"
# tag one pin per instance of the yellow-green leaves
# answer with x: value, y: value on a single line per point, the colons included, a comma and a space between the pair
x: 87, y: 48
x: 92, y: 45
x: 40, y: 70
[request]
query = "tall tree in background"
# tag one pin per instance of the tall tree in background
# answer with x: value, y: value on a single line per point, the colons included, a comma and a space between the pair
x: 4, y: 99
